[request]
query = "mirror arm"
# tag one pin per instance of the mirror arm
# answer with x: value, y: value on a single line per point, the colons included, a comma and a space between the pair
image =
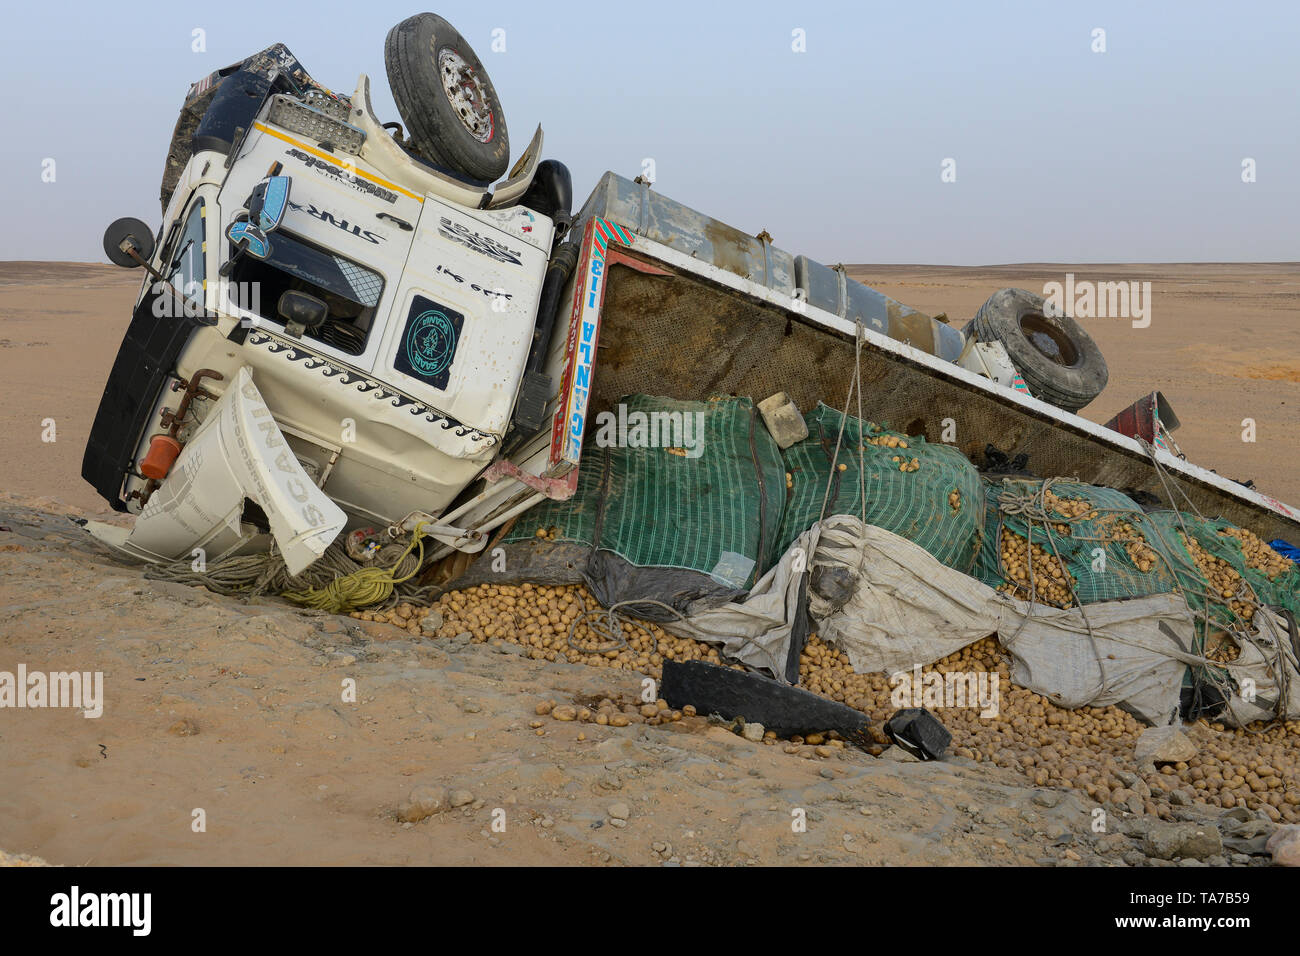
x: 129, y: 248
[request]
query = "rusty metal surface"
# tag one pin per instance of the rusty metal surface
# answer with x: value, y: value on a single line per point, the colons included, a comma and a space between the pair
x: 675, y: 337
x: 684, y: 338
x: 655, y: 216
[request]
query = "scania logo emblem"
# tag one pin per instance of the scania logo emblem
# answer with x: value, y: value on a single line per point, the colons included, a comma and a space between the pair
x: 430, y: 343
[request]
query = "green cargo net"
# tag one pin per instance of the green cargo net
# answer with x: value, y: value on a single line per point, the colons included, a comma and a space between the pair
x: 929, y: 494
x: 1063, y: 542
x: 657, y: 492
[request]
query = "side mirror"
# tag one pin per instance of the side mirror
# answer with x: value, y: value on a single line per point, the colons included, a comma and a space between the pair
x: 268, y: 202
x: 266, y: 206
x: 126, y: 236
x: 301, y: 312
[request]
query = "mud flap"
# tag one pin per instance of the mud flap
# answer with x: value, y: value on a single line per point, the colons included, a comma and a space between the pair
x: 237, y: 453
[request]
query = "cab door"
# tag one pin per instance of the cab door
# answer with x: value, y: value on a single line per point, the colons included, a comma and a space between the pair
x: 461, y: 322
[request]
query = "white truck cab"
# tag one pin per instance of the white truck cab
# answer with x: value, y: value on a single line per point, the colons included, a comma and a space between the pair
x: 404, y: 389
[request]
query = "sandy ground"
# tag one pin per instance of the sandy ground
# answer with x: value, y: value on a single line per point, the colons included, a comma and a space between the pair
x: 235, y: 708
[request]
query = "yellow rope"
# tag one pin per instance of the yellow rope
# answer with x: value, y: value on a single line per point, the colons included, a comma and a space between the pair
x: 360, y: 588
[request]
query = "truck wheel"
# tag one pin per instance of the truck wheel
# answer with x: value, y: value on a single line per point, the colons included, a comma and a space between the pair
x: 448, y: 103
x: 1058, y: 360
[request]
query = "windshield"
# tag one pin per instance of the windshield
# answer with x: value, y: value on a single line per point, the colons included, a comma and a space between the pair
x: 349, y: 289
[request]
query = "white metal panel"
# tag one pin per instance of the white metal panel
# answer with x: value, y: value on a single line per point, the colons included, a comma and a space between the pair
x: 487, y: 281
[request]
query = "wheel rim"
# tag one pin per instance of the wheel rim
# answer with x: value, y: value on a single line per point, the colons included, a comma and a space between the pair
x: 466, y: 94
x: 1044, y: 336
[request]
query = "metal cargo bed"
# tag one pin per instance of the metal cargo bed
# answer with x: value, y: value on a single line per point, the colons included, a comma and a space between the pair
x: 667, y: 301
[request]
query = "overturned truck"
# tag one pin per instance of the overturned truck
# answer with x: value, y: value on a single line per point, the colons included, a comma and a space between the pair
x: 352, y: 328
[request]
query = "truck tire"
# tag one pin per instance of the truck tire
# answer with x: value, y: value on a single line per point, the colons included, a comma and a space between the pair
x: 445, y: 98
x: 1058, y: 360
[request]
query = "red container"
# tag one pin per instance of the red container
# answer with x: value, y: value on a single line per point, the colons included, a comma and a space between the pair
x: 163, y: 450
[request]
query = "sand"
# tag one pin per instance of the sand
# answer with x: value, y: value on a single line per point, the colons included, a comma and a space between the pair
x: 235, y: 708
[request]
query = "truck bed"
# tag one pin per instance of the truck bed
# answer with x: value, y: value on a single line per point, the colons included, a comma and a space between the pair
x: 689, y: 306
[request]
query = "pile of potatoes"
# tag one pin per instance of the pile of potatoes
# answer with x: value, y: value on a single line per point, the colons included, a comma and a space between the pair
x: 1068, y: 507
x: 1142, y: 555
x: 887, y: 441
x: 1086, y: 749
x: 1224, y: 581
x: 1259, y: 555
x: 1221, y: 648
x: 539, y: 618
x: 1052, y: 581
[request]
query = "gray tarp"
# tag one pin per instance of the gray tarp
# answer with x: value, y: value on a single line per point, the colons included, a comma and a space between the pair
x: 909, y: 609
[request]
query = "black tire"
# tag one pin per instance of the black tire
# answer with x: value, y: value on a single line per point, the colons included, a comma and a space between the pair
x: 1058, y: 360
x: 471, y: 142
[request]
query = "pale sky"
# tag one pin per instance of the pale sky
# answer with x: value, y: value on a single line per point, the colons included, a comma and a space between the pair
x: 1062, y: 154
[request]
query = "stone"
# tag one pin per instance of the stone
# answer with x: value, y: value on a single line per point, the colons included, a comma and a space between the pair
x: 1180, y: 798
x: 423, y: 803
x: 461, y: 798
x: 1163, y: 745
x: 753, y: 731
x: 431, y: 621
x: 783, y: 419
x: 899, y: 754
x: 1046, y: 798
x: 1284, y: 845
x: 619, y: 811
x: 1136, y: 827
x: 1166, y: 841
x: 183, y: 728
x: 1245, y: 834
x: 1057, y: 834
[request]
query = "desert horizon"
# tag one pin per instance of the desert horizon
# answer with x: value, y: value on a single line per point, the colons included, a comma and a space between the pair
x: 62, y: 323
